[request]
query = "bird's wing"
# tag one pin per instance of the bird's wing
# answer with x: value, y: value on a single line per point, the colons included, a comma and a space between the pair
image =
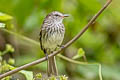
x: 42, y: 32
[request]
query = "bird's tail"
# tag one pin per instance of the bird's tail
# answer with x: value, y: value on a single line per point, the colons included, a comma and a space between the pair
x: 51, y: 66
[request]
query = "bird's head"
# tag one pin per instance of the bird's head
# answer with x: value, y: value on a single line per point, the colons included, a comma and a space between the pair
x: 56, y: 16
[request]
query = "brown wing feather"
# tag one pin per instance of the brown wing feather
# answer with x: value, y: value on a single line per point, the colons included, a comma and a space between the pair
x: 41, y: 39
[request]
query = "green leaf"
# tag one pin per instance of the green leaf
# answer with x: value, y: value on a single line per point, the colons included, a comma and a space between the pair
x: 9, y: 48
x: 10, y: 67
x: 63, y: 77
x: 53, y: 78
x: 79, y: 54
x: 2, y: 25
x: 5, y: 17
x: 39, y: 75
x: 27, y: 74
x: 11, y: 61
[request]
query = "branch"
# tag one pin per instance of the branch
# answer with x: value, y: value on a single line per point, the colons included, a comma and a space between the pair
x: 65, y: 46
x: 83, y: 63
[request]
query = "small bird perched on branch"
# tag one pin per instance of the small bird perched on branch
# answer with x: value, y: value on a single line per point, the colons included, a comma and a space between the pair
x: 51, y: 36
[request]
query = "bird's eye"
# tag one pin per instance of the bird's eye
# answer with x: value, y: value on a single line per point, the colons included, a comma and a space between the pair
x: 56, y: 15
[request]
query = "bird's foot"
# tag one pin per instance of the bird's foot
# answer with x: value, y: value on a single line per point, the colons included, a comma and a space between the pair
x: 61, y: 46
x: 46, y: 56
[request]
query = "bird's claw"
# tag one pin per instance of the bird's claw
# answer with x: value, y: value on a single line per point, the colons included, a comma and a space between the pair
x: 61, y: 46
x: 46, y: 56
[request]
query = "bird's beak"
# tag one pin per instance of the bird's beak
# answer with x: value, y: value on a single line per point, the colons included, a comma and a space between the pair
x: 66, y: 15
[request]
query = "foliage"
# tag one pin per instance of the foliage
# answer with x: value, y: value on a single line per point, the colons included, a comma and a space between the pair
x: 79, y: 54
x: 8, y: 66
x: 5, y: 17
x: 28, y: 74
x: 101, y: 43
x: 63, y: 77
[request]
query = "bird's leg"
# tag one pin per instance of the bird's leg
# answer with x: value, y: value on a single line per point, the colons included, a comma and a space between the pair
x: 49, y: 71
x: 46, y: 56
x: 55, y: 70
x: 53, y: 65
x: 48, y: 65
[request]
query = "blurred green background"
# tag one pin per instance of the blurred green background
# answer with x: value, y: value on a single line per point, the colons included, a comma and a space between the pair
x: 101, y: 42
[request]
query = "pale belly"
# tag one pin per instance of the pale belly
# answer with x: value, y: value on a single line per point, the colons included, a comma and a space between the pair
x: 53, y: 41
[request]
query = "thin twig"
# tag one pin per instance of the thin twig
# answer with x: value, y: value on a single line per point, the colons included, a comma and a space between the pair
x: 65, y: 46
x: 76, y: 62
x: 83, y: 63
x: 23, y: 37
x: 84, y: 58
x: 100, y: 71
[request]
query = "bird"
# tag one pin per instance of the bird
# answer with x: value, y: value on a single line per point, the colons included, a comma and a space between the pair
x: 51, y: 37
